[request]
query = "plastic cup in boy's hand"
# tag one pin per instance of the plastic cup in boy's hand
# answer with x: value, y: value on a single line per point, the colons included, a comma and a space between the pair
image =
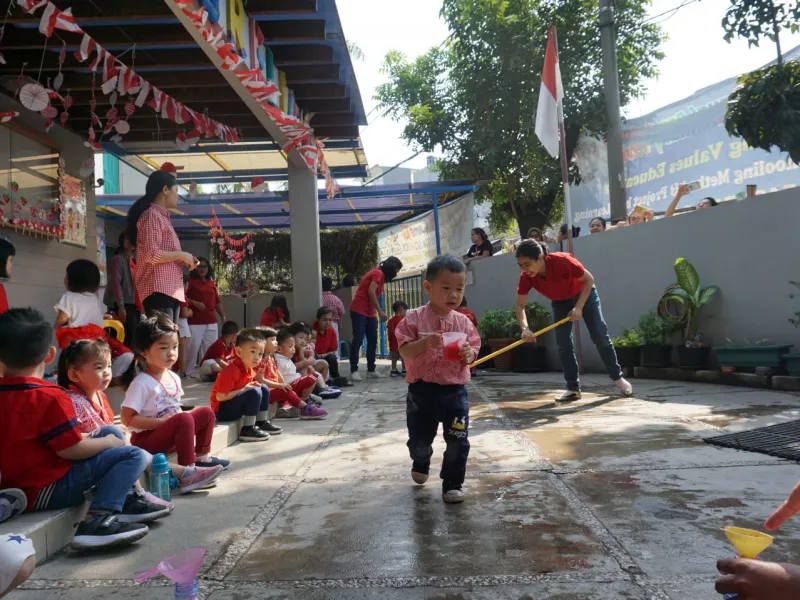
x: 453, y: 342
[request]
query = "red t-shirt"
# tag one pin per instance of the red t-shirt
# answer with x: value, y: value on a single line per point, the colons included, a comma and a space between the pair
x: 233, y: 377
x: 38, y: 421
x: 469, y: 314
x: 391, y: 326
x: 326, y: 342
x: 271, y: 316
x: 3, y: 300
x: 205, y: 292
x: 361, y: 303
x: 269, y: 368
x: 562, y: 281
x: 220, y: 350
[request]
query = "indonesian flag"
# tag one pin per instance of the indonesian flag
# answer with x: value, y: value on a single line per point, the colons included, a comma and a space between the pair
x: 551, y: 93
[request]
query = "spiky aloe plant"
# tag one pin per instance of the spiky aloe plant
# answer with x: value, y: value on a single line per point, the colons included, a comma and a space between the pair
x: 682, y: 301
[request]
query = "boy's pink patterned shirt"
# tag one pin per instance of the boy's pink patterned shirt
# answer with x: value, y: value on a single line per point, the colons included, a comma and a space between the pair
x: 431, y: 365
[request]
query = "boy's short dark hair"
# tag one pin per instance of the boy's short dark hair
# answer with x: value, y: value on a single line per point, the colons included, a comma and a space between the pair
x: 83, y: 276
x: 229, y: 328
x: 322, y: 311
x: 268, y: 332
x: 327, y: 283
x: 298, y: 327
x: 398, y: 306
x: 444, y: 262
x: 25, y: 338
x: 283, y: 335
x: 252, y: 335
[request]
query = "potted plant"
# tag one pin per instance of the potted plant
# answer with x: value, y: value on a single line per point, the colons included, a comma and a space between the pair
x: 499, y: 328
x: 792, y: 361
x: 750, y: 355
x: 680, y: 305
x: 532, y: 358
x: 655, y: 353
x: 628, y: 348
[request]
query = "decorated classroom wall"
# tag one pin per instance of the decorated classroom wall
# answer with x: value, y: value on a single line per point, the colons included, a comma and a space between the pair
x: 37, y: 278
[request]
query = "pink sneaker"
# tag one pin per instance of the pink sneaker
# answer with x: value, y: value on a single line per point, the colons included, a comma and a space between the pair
x: 312, y: 412
x: 203, y: 477
x: 148, y: 497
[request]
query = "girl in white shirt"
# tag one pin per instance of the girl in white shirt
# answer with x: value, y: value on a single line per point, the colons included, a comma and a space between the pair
x: 80, y: 313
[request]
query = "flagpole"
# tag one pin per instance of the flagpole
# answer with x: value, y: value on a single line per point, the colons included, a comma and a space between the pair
x: 567, y: 205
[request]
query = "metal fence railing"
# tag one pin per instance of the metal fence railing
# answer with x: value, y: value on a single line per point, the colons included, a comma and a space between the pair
x: 409, y: 290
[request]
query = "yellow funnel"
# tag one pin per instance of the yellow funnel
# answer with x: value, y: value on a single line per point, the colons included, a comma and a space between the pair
x: 748, y: 543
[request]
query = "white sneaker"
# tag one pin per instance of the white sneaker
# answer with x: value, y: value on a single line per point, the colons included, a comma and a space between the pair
x: 569, y: 396
x: 354, y: 376
x: 375, y: 375
x: 454, y: 496
x: 419, y: 478
x: 624, y: 387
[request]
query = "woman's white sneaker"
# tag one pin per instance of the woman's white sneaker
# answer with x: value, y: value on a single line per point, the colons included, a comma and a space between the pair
x: 354, y: 376
x: 454, y: 496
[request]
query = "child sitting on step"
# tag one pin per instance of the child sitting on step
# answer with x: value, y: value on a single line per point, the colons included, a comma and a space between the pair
x: 84, y: 370
x: 42, y: 451
x: 236, y: 393
x: 152, y: 409
x: 80, y: 313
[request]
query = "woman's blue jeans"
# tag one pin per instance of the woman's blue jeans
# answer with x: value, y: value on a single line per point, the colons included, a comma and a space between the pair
x: 598, y: 331
x: 363, y: 326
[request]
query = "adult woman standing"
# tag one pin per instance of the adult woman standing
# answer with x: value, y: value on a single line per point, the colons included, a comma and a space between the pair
x: 363, y: 309
x: 203, y: 299
x: 562, y: 279
x: 159, y: 270
x: 481, y: 246
x: 120, y: 293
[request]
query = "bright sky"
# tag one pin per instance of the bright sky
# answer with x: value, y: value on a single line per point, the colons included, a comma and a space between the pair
x: 696, y: 56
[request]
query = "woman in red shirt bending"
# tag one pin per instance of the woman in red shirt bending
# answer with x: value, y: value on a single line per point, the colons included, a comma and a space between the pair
x: 203, y: 299
x: 363, y: 309
x: 159, y: 268
x: 562, y: 279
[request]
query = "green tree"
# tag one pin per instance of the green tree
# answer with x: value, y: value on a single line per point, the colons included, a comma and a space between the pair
x: 765, y: 109
x: 475, y: 96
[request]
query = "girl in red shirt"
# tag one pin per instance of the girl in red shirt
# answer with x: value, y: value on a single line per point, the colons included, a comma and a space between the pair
x: 562, y: 279
x: 276, y: 314
x: 7, y: 254
x: 203, y: 299
x: 363, y: 309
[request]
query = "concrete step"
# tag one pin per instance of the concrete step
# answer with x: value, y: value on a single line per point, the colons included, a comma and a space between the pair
x: 52, y: 530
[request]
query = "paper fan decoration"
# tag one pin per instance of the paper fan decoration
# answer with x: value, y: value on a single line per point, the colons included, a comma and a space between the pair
x: 87, y: 167
x: 122, y: 127
x: 49, y: 112
x: 34, y: 97
x: 257, y: 185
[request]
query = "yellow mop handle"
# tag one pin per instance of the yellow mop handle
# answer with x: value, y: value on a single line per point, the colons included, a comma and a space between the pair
x: 518, y: 343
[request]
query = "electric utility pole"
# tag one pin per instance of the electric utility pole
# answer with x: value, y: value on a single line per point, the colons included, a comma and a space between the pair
x: 616, y: 166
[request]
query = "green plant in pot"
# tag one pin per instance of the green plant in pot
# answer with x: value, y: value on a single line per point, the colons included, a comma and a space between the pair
x: 792, y: 361
x: 628, y: 348
x: 750, y: 355
x: 532, y: 358
x: 656, y: 351
x: 680, y: 306
x: 499, y: 328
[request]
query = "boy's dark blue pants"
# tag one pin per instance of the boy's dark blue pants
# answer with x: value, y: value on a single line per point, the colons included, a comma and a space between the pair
x: 427, y: 405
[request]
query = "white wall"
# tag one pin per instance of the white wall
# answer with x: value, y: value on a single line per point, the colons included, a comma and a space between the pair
x: 750, y: 249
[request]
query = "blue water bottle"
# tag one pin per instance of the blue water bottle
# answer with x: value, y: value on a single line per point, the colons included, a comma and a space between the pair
x: 159, y: 477
x: 187, y: 591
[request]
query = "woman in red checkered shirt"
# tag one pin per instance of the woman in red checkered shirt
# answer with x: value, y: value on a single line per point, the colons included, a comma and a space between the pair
x: 159, y: 267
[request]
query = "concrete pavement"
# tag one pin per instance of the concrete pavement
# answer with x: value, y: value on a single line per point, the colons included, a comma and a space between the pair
x: 604, y: 498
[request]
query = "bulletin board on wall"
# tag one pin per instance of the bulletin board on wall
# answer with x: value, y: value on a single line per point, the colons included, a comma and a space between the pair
x: 30, y: 201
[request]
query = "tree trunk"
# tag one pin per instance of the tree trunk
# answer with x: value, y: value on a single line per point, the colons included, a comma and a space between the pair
x: 535, y: 212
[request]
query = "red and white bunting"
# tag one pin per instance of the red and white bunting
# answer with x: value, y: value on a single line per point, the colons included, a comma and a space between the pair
x: 53, y: 18
x: 31, y: 5
x: 86, y: 49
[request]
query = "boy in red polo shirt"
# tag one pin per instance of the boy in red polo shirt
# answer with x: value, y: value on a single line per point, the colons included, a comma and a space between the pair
x: 236, y: 393
x: 42, y: 451
x: 220, y: 353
